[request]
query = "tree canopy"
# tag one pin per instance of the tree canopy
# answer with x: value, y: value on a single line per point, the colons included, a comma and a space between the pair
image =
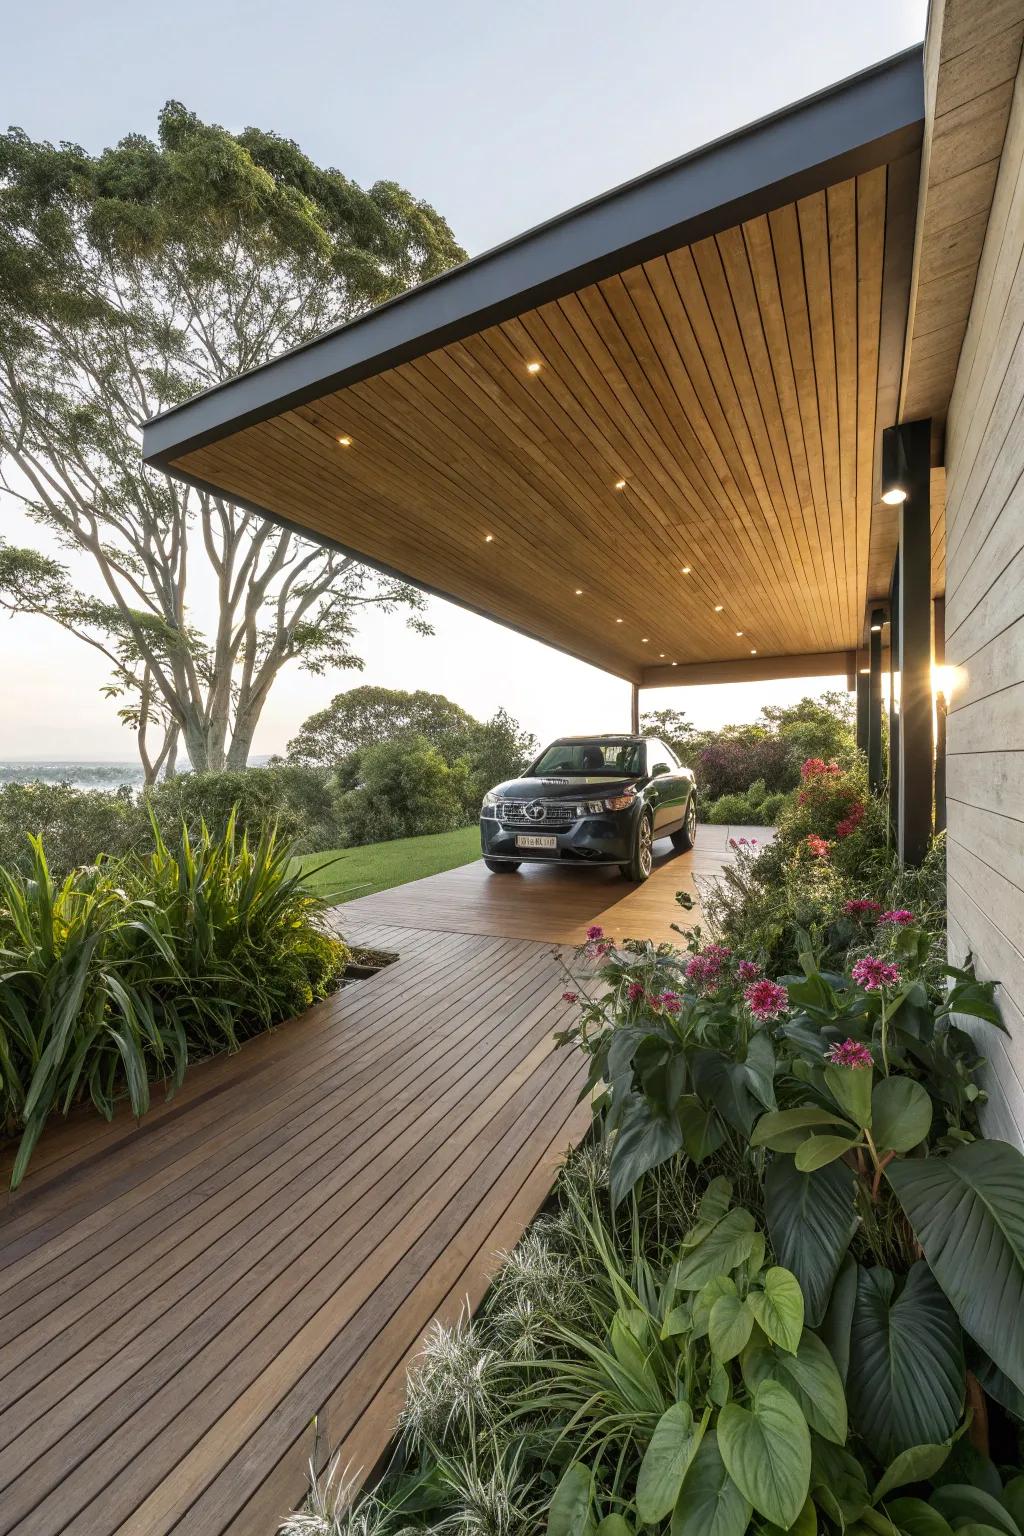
x: 129, y: 281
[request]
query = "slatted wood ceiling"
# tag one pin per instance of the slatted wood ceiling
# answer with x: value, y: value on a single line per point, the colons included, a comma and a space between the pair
x: 733, y: 385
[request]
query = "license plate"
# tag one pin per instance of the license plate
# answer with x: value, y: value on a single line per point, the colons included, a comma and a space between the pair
x: 536, y: 841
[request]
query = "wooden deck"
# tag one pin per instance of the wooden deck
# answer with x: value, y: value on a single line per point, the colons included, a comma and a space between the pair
x: 179, y: 1298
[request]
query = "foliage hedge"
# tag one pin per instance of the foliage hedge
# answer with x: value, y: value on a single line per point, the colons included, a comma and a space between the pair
x: 124, y: 971
x: 781, y: 1290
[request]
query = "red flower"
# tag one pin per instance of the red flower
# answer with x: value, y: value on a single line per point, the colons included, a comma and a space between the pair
x: 899, y: 917
x: 817, y: 845
x: 851, y: 821
x: 872, y: 973
x: 850, y: 1054
x: 595, y: 931
x: 766, y: 999
x: 635, y: 991
x: 863, y: 906
x: 670, y: 1001
x: 570, y: 997
x: 748, y: 970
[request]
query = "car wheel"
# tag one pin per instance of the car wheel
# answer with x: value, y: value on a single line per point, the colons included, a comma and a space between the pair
x: 640, y: 865
x: 684, y: 839
x: 502, y: 866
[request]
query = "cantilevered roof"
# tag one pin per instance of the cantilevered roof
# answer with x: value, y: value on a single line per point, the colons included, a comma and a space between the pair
x: 689, y: 475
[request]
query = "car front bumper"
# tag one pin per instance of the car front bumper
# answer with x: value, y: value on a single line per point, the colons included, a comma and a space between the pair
x: 601, y: 839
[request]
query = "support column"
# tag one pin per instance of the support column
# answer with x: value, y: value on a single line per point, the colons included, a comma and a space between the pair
x: 916, y: 754
x: 875, y: 699
x: 863, y: 680
x: 894, y: 714
x: 941, y: 705
x: 634, y: 708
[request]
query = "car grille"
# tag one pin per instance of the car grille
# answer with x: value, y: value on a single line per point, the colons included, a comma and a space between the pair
x: 556, y: 813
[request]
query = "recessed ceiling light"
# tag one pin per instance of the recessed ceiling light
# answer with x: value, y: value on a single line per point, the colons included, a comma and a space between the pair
x: 675, y: 663
x: 686, y: 570
x: 718, y: 607
x: 346, y: 442
x: 579, y: 591
x: 738, y: 633
x: 645, y: 641
x: 753, y: 653
x: 618, y: 621
x: 488, y: 538
x: 662, y: 655
x: 620, y: 485
x: 533, y: 367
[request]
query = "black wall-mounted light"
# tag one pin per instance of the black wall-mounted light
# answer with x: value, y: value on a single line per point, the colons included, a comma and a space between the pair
x: 895, y: 473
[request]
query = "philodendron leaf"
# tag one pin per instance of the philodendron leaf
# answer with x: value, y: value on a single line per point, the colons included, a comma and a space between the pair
x: 851, y: 1089
x: 905, y: 1384
x: 644, y: 1139
x: 810, y: 1375
x: 967, y: 1210
x: 779, y: 1308
x: 901, y: 1114
x: 916, y: 1518
x: 725, y: 1248
x: 671, y: 1449
x: 729, y: 1327
x: 785, y: 1129
x: 811, y: 1219
x: 816, y: 1151
x: 959, y: 1502
x: 614, y: 1525
x: 912, y: 1466
x: 709, y: 1502
x: 805, y: 1524
x: 569, y: 1511
x: 837, y: 1482
x: 767, y: 1452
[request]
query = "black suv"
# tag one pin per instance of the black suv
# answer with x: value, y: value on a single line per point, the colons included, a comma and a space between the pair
x: 591, y: 800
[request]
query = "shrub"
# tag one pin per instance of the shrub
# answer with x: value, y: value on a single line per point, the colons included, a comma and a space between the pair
x: 406, y: 788
x: 257, y: 798
x: 76, y: 825
x: 128, y: 969
x: 752, y: 807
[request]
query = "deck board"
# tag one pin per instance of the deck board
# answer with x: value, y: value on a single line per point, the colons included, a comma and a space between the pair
x: 179, y: 1297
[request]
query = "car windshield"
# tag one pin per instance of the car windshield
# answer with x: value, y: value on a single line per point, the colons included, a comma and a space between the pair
x: 609, y: 756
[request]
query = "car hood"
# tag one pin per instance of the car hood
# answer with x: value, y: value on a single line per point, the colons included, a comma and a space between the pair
x: 591, y: 786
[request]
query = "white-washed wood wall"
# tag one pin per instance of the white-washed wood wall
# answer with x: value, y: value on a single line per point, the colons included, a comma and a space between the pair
x: 985, y: 633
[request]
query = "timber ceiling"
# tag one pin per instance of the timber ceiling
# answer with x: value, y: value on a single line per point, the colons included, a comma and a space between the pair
x: 734, y: 385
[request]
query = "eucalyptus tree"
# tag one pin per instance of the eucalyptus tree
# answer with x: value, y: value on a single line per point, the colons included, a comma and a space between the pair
x: 129, y: 281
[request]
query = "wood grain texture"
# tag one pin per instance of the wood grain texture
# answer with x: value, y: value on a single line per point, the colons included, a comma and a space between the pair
x: 985, y: 630
x: 179, y: 1297
x: 731, y: 387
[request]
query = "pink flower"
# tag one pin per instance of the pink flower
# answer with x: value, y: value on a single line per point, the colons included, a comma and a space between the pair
x: 863, y: 906
x: 817, y: 845
x: 851, y: 821
x: 570, y: 997
x: 850, y: 1054
x: 766, y: 999
x: 704, y: 970
x: 635, y: 991
x: 753, y: 842
x: 718, y: 952
x: 816, y: 768
x: 743, y: 842
x: 733, y: 843
x: 668, y: 1000
x: 899, y: 917
x: 872, y: 973
x: 748, y: 970
x: 598, y: 948
x: 595, y: 932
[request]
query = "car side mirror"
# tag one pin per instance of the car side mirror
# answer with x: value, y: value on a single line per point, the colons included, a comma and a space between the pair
x: 660, y: 768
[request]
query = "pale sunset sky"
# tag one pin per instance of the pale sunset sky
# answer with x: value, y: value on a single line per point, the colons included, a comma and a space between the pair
x: 499, y: 115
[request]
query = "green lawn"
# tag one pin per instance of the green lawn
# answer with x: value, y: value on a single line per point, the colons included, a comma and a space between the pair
x: 355, y: 872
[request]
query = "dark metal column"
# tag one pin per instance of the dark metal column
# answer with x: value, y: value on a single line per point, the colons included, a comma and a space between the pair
x: 894, y: 714
x: 875, y: 699
x: 863, y: 680
x: 916, y: 754
x: 634, y: 708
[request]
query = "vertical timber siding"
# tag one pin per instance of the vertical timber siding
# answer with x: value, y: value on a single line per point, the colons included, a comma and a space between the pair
x: 985, y: 632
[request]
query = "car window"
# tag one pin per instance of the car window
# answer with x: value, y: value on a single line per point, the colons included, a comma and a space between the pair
x: 661, y: 752
x: 599, y: 756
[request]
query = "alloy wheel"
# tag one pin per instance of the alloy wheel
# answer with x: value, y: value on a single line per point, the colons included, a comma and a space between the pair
x: 646, y: 846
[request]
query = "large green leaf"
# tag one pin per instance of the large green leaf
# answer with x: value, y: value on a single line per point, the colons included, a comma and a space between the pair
x: 810, y: 1375
x: 767, y: 1452
x: 779, y: 1308
x: 913, y: 1517
x: 916, y: 1465
x: 729, y: 1325
x: 725, y: 1247
x: 811, y: 1220
x: 960, y: 1502
x: 645, y: 1138
x: 838, y: 1485
x: 967, y: 1210
x: 851, y: 1089
x: 785, y: 1129
x: 569, y: 1512
x: 818, y: 1151
x: 671, y: 1449
x: 905, y: 1385
x: 901, y: 1114
x: 709, y: 1503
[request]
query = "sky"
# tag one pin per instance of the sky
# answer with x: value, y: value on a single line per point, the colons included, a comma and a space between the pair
x: 499, y: 115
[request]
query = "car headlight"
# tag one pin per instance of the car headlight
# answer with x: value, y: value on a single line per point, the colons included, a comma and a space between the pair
x: 490, y: 798
x: 590, y: 807
x: 621, y: 802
